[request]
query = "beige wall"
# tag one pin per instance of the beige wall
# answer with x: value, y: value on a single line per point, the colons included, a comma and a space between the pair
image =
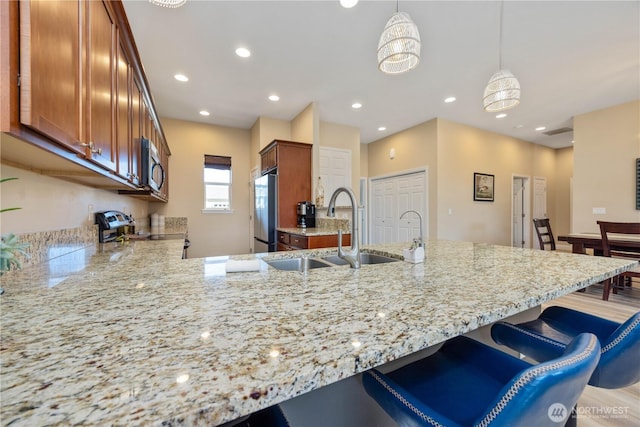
x: 52, y: 204
x: 607, y: 143
x: 415, y: 148
x: 463, y: 150
x: 364, y: 160
x: 210, y: 234
x: 304, y: 125
x: 263, y: 131
x: 453, y: 152
x: 563, y: 179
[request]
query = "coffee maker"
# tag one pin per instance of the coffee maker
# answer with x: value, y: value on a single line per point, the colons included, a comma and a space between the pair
x: 306, y: 214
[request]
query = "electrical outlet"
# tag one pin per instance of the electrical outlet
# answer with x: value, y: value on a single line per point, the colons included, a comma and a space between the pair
x: 599, y: 211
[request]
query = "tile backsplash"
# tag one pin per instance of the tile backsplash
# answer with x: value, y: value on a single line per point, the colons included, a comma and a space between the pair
x: 46, y: 245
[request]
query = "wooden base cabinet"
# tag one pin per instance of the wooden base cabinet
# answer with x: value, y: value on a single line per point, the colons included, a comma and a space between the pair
x: 293, y: 242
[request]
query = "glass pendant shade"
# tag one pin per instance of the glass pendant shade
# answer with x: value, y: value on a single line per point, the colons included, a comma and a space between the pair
x: 502, y: 92
x: 168, y: 3
x: 399, y: 46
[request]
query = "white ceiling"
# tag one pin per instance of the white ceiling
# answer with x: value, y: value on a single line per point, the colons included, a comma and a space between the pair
x: 571, y: 57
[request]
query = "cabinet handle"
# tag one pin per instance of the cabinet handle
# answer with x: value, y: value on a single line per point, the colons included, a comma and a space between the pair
x: 90, y: 147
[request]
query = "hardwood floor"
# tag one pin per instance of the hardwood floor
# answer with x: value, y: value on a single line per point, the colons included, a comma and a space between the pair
x: 601, y: 407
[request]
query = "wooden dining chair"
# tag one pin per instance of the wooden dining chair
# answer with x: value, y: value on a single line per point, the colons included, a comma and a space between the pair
x: 545, y: 235
x: 630, y: 249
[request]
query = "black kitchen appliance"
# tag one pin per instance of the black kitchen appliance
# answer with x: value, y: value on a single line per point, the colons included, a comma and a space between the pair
x: 306, y: 214
x: 112, y: 224
x: 152, y: 173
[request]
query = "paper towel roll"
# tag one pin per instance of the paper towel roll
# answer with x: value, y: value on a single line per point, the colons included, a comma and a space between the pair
x: 238, y: 266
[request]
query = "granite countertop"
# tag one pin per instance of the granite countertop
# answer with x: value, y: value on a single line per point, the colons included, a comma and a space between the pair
x: 130, y: 334
x: 311, y: 231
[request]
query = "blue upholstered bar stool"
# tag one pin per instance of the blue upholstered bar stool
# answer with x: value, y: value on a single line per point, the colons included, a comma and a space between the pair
x: 547, y: 336
x: 468, y: 383
x: 268, y: 417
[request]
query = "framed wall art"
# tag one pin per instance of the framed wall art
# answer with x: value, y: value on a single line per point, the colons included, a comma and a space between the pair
x: 483, y: 187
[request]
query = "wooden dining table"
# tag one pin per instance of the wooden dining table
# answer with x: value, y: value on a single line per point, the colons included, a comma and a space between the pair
x: 580, y: 242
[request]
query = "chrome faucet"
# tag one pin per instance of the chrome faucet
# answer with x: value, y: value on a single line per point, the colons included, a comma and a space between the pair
x: 352, y: 256
x: 420, y: 243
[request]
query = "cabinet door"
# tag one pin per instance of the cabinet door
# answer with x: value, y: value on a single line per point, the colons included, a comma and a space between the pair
x: 269, y: 159
x: 123, y: 113
x: 136, y: 131
x: 101, y: 31
x: 50, y: 70
x: 299, y: 242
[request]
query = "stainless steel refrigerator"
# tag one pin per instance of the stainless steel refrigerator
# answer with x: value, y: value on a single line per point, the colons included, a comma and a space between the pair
x: 266, y: 214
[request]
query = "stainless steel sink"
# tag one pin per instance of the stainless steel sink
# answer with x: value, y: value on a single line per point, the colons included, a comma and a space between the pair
x: 298, y: 264
x: 365, y: 258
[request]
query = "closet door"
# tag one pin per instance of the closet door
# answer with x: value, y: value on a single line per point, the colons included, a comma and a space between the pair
x: 390, y: 197
x: 384, y: 207
x: 411, y: 196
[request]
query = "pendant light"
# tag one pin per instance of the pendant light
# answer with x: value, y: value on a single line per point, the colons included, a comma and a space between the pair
x: 399, y: 46
x: 172, y: 4
x: 503, y: 90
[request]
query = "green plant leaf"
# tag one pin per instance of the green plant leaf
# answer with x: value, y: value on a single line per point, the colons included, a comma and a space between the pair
x: 9, y: 209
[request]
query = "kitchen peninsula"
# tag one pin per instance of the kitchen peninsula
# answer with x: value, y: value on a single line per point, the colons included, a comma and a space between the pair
x: 132, y: 334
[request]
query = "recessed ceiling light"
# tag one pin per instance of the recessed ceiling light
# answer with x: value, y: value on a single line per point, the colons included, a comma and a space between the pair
x: 541, y: 128
x: 204, y: 113
x: 347, y: 4
x: 501, y: 116
x: 181, y: 78
x: 274, y: 98
x: 356, y: 105
x: 243, y: 52
x: 450, y: 99
x: 381, y: 128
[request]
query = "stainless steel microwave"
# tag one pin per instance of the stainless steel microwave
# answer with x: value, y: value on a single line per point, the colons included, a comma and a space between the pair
x: 152, y: 173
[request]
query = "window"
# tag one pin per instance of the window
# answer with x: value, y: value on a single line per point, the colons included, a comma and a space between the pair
x: 217, y: 183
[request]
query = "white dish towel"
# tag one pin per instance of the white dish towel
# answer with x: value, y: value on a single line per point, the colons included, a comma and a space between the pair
x: 239, y: 266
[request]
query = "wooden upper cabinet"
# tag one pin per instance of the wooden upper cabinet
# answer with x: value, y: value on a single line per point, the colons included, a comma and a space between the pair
x: 124, y: 116
x: 77, y: 90
x: 136, y: 131
x: 51, y: 87
x: 292, y: 162
x: 101, y: 57
x: 269, y: 159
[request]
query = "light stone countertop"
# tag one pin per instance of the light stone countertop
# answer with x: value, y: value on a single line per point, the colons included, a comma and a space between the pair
x: 130, y: 334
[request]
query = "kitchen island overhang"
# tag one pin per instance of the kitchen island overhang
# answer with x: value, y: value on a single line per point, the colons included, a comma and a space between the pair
x: 132, y: 334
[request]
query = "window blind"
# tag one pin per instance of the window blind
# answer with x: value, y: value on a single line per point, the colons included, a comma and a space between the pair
x: 217, y: 162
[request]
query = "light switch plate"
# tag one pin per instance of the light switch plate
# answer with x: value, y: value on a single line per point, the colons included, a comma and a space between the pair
x: 599, y: 211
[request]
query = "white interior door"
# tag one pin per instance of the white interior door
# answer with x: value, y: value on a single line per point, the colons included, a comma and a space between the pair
x: 521, y: 212
x: 517, y: 236
x: 335, y: 172
x: 540, y: 197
